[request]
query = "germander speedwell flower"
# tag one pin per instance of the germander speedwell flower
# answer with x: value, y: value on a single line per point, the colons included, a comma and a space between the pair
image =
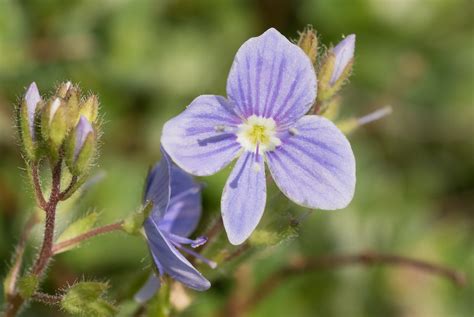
x: 176, y: 212
x: 271, y: 86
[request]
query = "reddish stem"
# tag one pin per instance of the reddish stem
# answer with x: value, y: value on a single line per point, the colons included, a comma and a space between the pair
x: 57, y: 248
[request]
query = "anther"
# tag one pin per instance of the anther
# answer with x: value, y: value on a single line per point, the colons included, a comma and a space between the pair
x: 293, y: 131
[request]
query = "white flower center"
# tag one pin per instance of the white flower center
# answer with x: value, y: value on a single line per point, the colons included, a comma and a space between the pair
x: 258, y: 134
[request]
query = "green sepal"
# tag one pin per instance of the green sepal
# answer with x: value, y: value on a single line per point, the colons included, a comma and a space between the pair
x: 330, y: 108
x: 335, y: 87
x: 134, y: 223
x: 63, y: 89
x: 54, y: 129
x: 27, y: 285
x: 160, y: 304
x: 72, y: 106
x: 77, y: 228
x: 86, y: 299
x: 29, y: 145
x: 324, y: 76
x: 90, y: 108
x: 80, y: 164
x: 308, y: 42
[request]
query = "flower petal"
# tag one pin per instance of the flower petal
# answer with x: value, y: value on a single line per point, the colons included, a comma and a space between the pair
x: 314, y: 166
x: 32, y: 97
x: 271, y: 77
x: 344, y: 53
x: 243, y: 200
x: 171, y: 261
x: 201, y: 140
x: 157, y: 187
x: 149, y: 289
x: 184, y: 208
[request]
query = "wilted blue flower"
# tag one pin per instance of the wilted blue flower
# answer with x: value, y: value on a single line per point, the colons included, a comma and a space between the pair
x: 270, y: 88
x: 176, y: 212
x: 32, y: 98
x: 344, y: 53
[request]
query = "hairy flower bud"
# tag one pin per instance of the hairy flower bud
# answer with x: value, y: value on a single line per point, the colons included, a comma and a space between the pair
x: 336, y: 68
x: 344, y: 55
x: 54, y: 126
x: 80, y: 147
x: 90, y: 108
x: 27, y: 114
x: 308, y: 42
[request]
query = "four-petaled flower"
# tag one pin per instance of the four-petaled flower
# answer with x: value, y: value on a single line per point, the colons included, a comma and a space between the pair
x: 270, y: 88
x: 176, y: 199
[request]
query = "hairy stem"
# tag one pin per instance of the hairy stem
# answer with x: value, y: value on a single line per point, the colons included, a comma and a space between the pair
x: 66, y: 193
x: 57, y: 248
x: 37, y: 186
x: 15, y: 301
x: 46, y: 249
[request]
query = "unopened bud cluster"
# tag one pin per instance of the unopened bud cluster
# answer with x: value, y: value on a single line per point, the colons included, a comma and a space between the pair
x: 334, y: 67
x: 63, y: 126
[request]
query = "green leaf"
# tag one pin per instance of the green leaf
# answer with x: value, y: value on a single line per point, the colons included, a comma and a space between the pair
x: 27, y: 285
x: 77, y: 228
x: 86, y: 298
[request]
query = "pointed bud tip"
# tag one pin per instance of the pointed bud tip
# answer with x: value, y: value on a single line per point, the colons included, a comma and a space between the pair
x: 343, y: 53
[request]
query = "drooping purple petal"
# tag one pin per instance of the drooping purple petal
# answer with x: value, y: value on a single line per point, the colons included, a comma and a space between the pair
x: 149, y: 289
x: 157, y: 187
x: 271, y: 77
x: 184, y: 208
x: 344, y: 52
x: 83, y: 129
x: 243, y: 199
x: 171, y: 261
x: 315, y: 166
x: 201, y: 140
x: 32, y: 97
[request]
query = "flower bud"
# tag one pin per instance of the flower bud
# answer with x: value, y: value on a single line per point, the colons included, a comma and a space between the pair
x: 308, y: 42
x: 63, y: 89
x: 344, y: 56
x: 81, y: 146
x: 54, y: 126
x: 27, y: 119
x: 90, y: 108
x: 336, y: 68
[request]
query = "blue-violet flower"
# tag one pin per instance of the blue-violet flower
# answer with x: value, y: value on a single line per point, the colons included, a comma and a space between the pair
x: 176, y: 212
x: 270, y: 88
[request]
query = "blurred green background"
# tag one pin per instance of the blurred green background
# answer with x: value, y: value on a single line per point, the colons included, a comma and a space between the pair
x: 148, y: 59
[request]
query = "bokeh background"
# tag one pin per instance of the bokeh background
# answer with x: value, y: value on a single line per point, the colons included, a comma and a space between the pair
x: 148, y: 59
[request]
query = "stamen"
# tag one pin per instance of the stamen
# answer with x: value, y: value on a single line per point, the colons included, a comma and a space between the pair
x: 211, y: 264
x: 182, y: 240
x: 293, y: 131
x: 376, y: 115
x: 219, y: 128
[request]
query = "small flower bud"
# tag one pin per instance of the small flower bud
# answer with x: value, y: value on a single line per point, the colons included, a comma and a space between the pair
x: 32, y: 98
x: 336, y: 68
x: 308, y: 42
x: 81, y: 147
x: 54, y: 126
x: 344, y: 54
x: 27, y: 114
x: 90, y: 108
x: 63, y: 89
